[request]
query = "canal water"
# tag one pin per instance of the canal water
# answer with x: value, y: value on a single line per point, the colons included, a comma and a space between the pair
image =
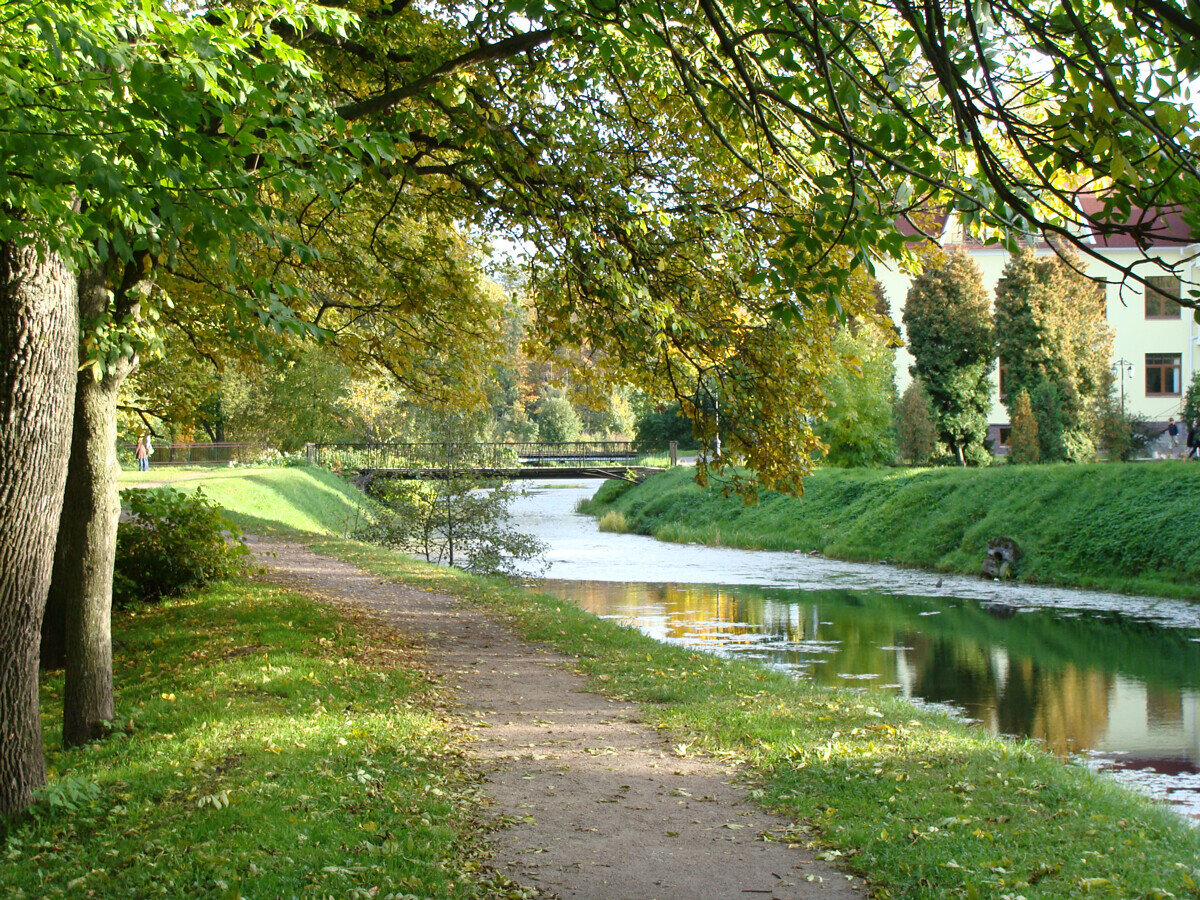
x: 1109, y: 679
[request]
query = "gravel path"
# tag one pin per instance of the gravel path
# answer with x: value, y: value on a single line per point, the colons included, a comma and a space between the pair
x: 602, y: 806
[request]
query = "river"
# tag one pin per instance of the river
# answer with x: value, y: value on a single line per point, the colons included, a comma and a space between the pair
x: 1108, y: 679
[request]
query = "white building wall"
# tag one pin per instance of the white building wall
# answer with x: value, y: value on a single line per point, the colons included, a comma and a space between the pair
x: 1134, y: 335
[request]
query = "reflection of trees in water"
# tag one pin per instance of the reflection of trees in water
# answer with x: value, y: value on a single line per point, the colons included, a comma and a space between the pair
x: 1075, y: 708
x: 952, y: 672
x: 1020, y: 698
x: 1039, y: 675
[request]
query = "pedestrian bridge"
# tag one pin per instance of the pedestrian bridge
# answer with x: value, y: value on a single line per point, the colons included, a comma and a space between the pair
x: 627, y: 460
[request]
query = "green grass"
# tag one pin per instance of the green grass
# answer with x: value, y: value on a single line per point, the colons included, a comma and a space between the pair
x: 271, y: 501
x: 266, y: 746
x: 924, y: 806
x: 1122, y: 527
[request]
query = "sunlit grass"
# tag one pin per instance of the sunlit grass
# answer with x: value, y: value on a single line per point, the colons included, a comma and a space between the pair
x: 273, y: 501
x: 265, y: 746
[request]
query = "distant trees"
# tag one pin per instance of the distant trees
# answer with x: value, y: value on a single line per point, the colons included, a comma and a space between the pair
x: 947, y: 318
x: 1054, y: 344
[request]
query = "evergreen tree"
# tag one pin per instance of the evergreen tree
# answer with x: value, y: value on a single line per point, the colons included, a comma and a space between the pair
x: 1051, y: 329
x: 950, y: 335
x: 1023, y: 439
x: 916, y: 434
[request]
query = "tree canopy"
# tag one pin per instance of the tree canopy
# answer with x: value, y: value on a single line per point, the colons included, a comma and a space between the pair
x: 700, y: 184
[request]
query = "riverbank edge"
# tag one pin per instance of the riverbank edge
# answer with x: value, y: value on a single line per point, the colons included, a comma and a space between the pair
x: 1122, y: 528
x: 914, y: 801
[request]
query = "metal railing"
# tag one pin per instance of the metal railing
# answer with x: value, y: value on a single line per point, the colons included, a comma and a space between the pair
x: 204, y: 454
x: 432, y: 455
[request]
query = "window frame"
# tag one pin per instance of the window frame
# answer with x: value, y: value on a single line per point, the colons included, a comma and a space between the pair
x: 1173, y: 363
x: 1168, y: 299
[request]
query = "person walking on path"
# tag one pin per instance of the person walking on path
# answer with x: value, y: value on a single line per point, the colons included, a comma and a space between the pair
x: 1193, y: 439
x: 142, y: 453
x: 1172, y: 433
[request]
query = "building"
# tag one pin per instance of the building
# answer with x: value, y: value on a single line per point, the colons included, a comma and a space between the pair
x: 1156, y: 342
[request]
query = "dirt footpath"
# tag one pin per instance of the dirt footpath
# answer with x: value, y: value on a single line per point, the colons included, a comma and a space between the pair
x: 601, y: 805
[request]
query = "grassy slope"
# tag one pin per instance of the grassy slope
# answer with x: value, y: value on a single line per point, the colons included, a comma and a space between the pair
x: 271, y: 501
x: 1119, y: 527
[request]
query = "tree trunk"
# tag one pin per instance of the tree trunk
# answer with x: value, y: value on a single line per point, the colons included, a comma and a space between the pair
x: 81, y: 588
x: 39, y: 341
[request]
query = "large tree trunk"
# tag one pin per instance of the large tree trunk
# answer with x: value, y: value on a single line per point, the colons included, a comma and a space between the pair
x: 80, y: 600
x: 39, y: 340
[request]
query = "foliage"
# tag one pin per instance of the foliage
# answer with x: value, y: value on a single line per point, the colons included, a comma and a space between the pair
x: 1054, y: 343
x: 948, y: 319
x: 659, y: 424
x: 916, y: 433
x: 173, y: 542
x: 1023, y: 437
x: 1048, y: 408
x: 857, y: 427
x: 1090, y: 525
x: 1123, y: 435
x: 557, y: 420
x: 851, y: 765
x: 455, y: 518
x: 224, y: 727
x: 1191, y: 401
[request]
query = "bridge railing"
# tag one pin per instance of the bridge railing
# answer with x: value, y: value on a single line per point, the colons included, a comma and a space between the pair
x: 205, y: 453
x: 430, y: 455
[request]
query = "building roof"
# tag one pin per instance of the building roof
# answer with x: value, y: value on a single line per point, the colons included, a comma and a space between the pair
x: 1163, y: 227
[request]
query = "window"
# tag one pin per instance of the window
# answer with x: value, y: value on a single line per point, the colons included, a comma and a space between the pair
x: 1162, y: 297
x: 1002, y: 369
x: 1162, y: 374
x: 1005, y: 435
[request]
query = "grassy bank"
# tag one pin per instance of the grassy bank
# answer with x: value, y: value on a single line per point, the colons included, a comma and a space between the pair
x: 1128, y: 527
x: 266, y: 746
x: 270, y: 501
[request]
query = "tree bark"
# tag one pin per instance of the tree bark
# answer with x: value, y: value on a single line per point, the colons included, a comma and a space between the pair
x: 39, y: 341
x: 81, y: 587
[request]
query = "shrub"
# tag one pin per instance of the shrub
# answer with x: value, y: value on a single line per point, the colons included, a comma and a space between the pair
x: 614, y: 521
x: 1024, y: 435
x: 171, y: 543
x: 1191, y: 401
x: 659, y: 425
x: 916, y: 434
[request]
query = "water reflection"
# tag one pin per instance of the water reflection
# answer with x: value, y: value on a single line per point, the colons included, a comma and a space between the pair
x: 1123, y: 691
x: 1113, y: 679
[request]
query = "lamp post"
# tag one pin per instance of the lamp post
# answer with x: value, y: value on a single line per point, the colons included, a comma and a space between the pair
x: 1126, y: 367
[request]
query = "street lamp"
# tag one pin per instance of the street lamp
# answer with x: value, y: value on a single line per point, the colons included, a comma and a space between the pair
x: 1126, y: 367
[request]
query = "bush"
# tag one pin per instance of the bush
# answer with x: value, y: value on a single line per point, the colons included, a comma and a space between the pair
x: 1024, y: 435
x: 659, y: 425
x: 171, y: 543
x: 916, y: 433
